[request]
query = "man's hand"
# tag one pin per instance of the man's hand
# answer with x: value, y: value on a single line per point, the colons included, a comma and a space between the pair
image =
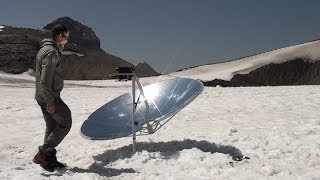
x: 51, y: 107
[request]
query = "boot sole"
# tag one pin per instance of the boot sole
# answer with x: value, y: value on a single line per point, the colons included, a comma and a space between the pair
x: 47, y: 168
x: 35, y: 161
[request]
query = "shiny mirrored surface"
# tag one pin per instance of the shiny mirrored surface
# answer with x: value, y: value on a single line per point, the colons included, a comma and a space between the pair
x: 165, y: 98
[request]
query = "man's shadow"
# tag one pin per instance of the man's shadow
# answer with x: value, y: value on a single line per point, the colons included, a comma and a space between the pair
x: 167, y: 150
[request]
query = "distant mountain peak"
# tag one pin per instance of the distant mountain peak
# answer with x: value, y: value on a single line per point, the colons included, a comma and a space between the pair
x: 143, y: 63
x: 147, y: 68
x: 81, y: 35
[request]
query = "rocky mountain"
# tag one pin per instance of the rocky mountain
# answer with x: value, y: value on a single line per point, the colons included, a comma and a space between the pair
x: 18, y: 48
x: 83, y: 58
x: 294, y: 65
x: 300, y: 71
x: 80, y: 34
x: 147, y: 69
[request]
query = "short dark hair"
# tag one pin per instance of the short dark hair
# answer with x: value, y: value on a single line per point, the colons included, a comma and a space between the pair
x: 58, y: 29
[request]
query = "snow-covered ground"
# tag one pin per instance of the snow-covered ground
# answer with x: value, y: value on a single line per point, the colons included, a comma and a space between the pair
x: 277, y: 127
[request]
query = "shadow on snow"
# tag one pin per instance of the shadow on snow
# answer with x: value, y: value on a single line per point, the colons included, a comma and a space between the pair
x: 167, y: 150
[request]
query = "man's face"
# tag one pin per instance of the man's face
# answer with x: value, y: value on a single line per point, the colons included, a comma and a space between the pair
x: 62, y: 39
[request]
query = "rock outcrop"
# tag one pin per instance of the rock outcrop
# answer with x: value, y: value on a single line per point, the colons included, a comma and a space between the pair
x: 300, y: 71
x: 18, y: 48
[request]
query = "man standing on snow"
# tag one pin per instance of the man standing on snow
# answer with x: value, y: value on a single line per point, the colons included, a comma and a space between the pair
x: 49, y: 84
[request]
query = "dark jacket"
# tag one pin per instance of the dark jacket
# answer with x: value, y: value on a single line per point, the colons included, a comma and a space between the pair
x: 49, y: 82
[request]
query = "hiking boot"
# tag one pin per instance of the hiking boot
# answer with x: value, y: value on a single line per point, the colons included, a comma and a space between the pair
x: 53, y: 160
x: 40, y: 158
x: 43, y: 161
x: 56, y: 163
x: 59, y: 164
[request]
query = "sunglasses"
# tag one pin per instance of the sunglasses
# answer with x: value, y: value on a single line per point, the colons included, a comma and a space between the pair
x: 65, y: 37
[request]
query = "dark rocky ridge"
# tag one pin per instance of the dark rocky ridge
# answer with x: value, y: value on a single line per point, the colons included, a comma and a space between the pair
x: 300, y: 71
x: 19, y: 46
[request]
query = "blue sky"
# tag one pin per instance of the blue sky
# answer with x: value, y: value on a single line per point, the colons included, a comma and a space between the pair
x: 174, y: 34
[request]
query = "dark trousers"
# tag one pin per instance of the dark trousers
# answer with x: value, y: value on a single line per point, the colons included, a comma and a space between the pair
x: 58, y: 125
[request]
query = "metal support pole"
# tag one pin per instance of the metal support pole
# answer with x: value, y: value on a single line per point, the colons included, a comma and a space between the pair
x: 134, y: 105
